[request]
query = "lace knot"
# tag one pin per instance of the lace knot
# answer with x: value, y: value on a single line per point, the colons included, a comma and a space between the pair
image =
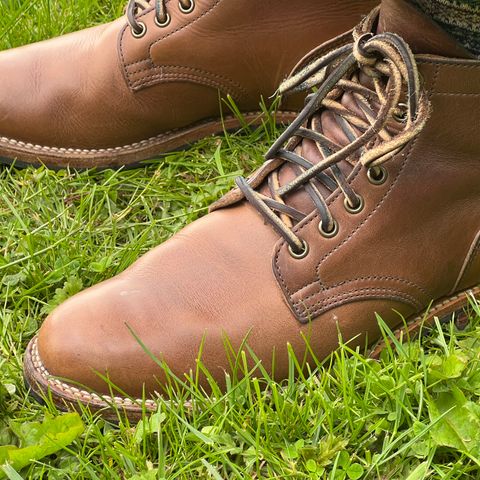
x: 362, y: 55
x: 366, y: 107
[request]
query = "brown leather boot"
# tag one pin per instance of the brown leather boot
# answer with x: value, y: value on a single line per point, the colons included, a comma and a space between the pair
x: 368, y: 204
x: 151, y: 82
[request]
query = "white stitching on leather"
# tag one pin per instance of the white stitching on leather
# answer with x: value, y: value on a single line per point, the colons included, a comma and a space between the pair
x: 132, y: 146
x: 83, y: 395
x: 107, y: 400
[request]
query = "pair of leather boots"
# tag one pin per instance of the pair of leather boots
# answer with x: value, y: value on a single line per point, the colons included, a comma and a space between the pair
x: 368, y: 203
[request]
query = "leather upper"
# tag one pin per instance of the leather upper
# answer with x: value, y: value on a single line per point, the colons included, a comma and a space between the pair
x: 229, y: 275
x: 104, y: 88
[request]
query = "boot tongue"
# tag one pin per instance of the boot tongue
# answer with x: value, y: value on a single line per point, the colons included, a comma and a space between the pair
x: 422, y: 33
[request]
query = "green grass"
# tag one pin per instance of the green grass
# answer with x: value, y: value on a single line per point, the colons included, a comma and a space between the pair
x: 412, y: 415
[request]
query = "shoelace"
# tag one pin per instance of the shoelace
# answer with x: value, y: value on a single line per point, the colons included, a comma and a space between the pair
x: 162, y: 17
x: 391, y: 67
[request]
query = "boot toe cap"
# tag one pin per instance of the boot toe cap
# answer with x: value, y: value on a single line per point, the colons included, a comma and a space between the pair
x: 92, y: 336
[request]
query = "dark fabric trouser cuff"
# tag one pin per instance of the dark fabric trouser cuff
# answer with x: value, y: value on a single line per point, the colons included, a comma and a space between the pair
x: 460, y: 18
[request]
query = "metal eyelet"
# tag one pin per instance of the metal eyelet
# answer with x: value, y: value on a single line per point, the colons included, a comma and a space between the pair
x: 401, y: 113
x: 189, y: 9
x: 357, y: 209
x: 331, y: 233
x: 377, y: 175
x: 165, y: 23
x: 299, y: 255
x: 141, y: 33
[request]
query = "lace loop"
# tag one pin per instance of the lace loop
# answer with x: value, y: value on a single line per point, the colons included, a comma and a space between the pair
x: 380, y: 74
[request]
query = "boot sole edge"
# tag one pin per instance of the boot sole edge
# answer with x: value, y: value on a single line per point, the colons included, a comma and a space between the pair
x: 66, y: 396
x: 23, y: 154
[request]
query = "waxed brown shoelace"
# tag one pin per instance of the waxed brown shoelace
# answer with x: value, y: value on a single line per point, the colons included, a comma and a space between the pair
x: 162, y: 17
x: 391, y: 68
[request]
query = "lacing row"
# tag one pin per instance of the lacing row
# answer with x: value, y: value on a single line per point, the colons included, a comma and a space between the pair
x: 162, y: 17
x: 385, y: 127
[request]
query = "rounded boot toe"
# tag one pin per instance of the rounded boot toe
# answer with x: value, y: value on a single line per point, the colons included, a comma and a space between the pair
x: 92, y: 337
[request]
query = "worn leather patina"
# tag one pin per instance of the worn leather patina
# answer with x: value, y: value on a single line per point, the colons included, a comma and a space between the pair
x: 103, y: 97
x: 240, y: 272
